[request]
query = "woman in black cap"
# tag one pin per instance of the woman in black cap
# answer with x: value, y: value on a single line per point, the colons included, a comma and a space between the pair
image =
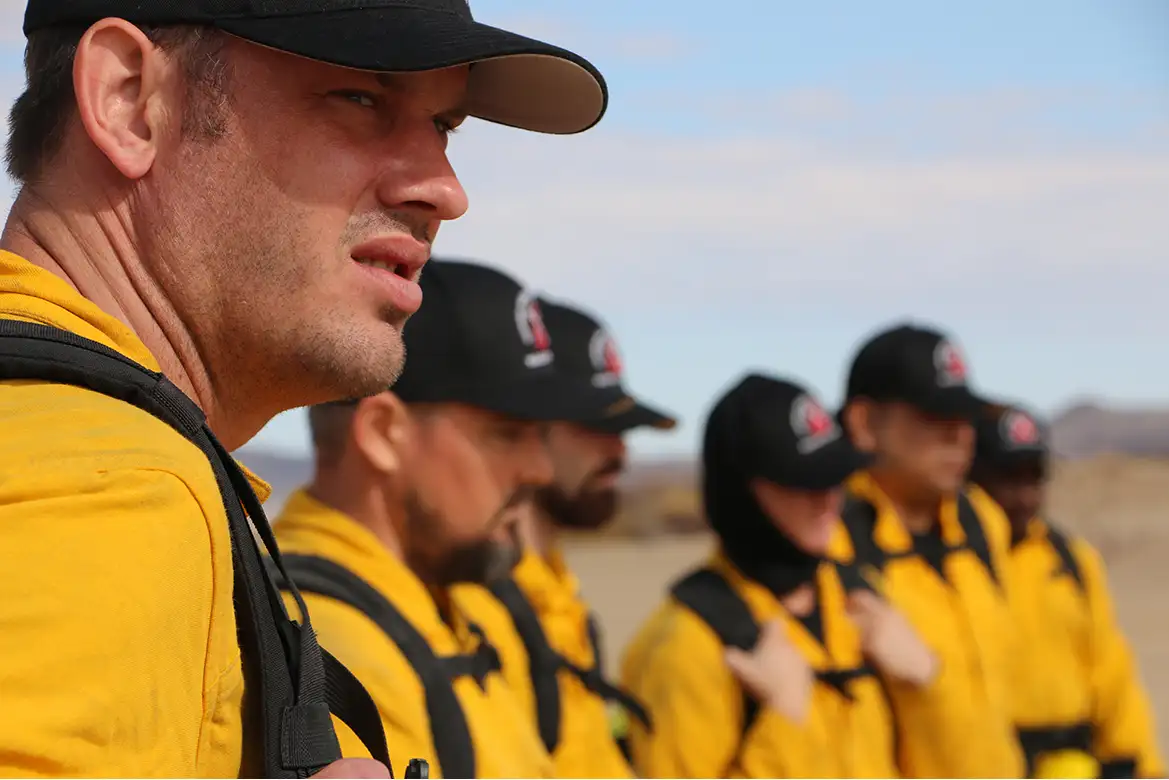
x: 756, y: 665
x: 1081, y: 708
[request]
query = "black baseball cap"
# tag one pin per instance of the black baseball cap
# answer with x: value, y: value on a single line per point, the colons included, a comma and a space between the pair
x: 587, y: 354
x: 515, y: 80
x: 1010, y: 436
x: 479, y: 339
x: 920, y: 366
x: 787, y: 435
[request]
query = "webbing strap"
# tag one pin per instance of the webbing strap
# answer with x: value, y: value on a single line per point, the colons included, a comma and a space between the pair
x: 282, y: 661
x: 448, y: 724
x: 544, y: 664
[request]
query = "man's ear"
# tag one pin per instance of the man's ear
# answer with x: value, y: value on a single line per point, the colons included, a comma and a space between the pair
x: 125, y: 88
x: 380, y: 430
x: 858, y: 424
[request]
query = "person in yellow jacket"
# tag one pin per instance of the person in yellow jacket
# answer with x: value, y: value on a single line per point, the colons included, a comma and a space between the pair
x: 939, y: 551
x: 418, y: 489
x: 1081, y: 700
x: 548, y: 638
x: 760, y: 664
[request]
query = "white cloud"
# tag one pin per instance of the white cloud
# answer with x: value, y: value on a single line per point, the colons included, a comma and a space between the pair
x: 761, y: 219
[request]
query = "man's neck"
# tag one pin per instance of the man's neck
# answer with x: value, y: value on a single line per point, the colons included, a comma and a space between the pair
x: 94, y: 250
x: 538, y: 532
x: 918, y: 510
x: 342, y: 489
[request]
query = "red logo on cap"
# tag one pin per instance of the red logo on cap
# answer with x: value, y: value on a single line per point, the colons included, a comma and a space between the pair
x: 809, y: 418
x: 950, y: 364
x: 540, y: 338
x: 611, y: 358
x: 1020, y: 430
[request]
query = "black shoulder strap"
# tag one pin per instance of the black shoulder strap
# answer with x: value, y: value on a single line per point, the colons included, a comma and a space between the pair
x: 1067, y: 559
x: 975, y: 534
x: 708, y: 595
x: 448, y: 724
x: 294, y: 680
x: 543, y: 661
x: 859, y: 518
x: 596, y: 642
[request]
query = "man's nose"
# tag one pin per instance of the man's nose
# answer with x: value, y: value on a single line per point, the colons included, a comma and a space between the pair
x: 419, y: 177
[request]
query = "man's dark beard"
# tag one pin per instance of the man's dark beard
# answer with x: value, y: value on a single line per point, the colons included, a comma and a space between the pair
x: 478, y: 562
x: 589, y: 508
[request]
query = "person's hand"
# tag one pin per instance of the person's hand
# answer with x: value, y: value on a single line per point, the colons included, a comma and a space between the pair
x: 889, y: 642
x: 354, y: 767
x: 775, y: 673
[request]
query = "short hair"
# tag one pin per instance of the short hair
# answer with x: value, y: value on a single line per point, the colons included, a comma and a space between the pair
x: 41, y: 116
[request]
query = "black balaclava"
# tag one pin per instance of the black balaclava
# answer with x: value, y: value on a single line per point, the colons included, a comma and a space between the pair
x: 749, y: 538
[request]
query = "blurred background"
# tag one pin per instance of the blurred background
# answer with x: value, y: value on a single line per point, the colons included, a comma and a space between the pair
x: 776, y: 179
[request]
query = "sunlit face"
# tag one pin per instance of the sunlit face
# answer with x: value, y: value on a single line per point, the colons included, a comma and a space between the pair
x: 290, y: 243
x: 807, y: 517
x: 466, y: 475
x: 587, y: 464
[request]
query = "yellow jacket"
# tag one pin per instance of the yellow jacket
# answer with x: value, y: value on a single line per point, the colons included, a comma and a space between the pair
x: 586, y: 746
x: 118, y: 649
x: 675, y: 666
x: 962, y: 724
x: 1081, y: 670
x: 504, y: 742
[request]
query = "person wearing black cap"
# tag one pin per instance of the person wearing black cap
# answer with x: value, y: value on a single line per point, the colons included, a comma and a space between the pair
x: 545, y: 627
x: 239, y: 195
x: 754, y: 667
x: 418, y: 489
x: 1081, y: 710
x: 933, y: 550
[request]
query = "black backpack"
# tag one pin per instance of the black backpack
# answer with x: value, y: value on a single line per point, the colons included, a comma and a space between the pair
x: 707, y: 594
x: 545, y: 663
x: 448, y: 724
x: 293, y: 684
x: 860, y: 517
x: 1067, y: 560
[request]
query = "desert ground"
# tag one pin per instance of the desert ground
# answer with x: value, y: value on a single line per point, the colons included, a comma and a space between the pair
x: 1120, y: 504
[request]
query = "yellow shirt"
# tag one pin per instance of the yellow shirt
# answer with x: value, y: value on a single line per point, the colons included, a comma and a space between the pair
x: 587, y: 747
x: 1081, y: 669
x: 118, y: 649
x: 962, y: 725
x: 675, y: 665
x: 505, y: 743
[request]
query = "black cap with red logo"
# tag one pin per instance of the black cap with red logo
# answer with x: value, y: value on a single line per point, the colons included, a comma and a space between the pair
x: 586, y: 352
x: 782, y: 434
x: 479, y: 339
x: 919, y: 366
x: 1010, y: 436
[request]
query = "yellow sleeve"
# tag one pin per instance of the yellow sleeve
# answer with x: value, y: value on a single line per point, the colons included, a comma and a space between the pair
x: 696, y: 707
x: 1122, y: 715
x: 106, y: 597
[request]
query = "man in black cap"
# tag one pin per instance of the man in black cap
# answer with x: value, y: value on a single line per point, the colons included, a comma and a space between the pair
x: 418, y: 489
x: 933, y: 550
x: 753, y: 667
x: 1082, y: 709
x: 239, y: 195
x: 545, y: 627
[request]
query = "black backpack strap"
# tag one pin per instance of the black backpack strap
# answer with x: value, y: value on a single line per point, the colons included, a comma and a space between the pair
x: 859, y: 518
x: 448, y: 724
x: 283, y: 663
x: 976, y: 535
x: 707, y: 594
x: 1067, y: 559
x: 596, y: 642
x: 543, y: 662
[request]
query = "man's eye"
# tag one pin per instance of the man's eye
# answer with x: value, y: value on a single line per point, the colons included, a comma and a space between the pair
x: 360, y: 98
x: 445, y: 126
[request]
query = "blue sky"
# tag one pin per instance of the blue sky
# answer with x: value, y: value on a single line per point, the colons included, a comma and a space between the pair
x: 775, y: 179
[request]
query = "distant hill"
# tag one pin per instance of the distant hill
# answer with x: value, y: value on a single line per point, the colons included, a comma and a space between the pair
x: 1087, y: 429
